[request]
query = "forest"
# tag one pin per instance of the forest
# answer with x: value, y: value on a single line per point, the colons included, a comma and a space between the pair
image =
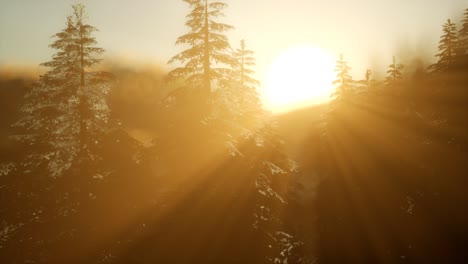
x: 102, y: 162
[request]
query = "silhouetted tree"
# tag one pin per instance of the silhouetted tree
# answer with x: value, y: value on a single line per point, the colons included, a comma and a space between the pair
x: 344, y: 83
x: 66, y: 112
x: 447, y: 48
x: 209, y: 47
x: 395, y: 73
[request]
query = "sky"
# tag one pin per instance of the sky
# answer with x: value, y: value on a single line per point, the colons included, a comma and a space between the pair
x: 367, y: 32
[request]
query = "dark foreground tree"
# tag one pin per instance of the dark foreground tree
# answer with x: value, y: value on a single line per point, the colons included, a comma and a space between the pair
x: 227, y: 181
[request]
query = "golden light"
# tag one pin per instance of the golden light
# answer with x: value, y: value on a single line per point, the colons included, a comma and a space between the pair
x: 300, y: 76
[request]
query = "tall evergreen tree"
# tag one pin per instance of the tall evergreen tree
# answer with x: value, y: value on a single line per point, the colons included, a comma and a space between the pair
x: 238, y: 96
x: 463, y: 34
x: 209, y: 47
x: 249, y: 98
x: 395, y: 73
x: 447, y: 48
x: 66, y: 112
x: 344, y: 83
x: 462, y: 53
x: 244, y: 60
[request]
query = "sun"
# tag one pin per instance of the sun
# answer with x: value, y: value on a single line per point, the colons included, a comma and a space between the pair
x: 300, y: 76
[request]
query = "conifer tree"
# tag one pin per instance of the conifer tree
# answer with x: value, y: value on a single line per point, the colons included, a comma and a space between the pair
x: 65, y: 112
x: 395, y: 73
x: 343, y: 80
x: 244, y: 60
x: 238, y: 91
x: 208, y: 48
x: 462, y: 53
x: 447, y: 48
x: 366, y: 82
x: 463, y: 33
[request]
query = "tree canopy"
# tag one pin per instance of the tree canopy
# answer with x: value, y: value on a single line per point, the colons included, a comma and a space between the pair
x: 66, y: 111
x: 208, y: 56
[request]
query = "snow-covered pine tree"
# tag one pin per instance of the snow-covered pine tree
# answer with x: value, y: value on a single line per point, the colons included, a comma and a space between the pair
x: 447, y: 48
x: 277, y: 190
x: 395, y: 73
x: 344, y: 82
x: 208, y: 56
x: 66, y: 113
x: 254, y: 143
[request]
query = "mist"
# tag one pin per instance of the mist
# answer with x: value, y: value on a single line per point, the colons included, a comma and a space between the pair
x: 176, y: 159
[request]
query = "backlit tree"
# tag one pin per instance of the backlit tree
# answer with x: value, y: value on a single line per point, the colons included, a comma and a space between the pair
x: 238, y: 97
x: 447, y: 48
x: 208, y: 55
x: 344, y: 83
x: 395, y: 73
x: 462, y: 53
x: 65, y: 113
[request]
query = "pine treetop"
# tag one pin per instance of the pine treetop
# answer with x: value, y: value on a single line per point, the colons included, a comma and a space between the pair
x: 447, y: 48
x: 209, y: 50
x: 395, y: 72
x: 343, y: 80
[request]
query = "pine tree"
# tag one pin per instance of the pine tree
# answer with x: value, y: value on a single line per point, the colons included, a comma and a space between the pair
x: 243, y: 61
x: 367, y: 84
x: 238, y: 94
x: 463, y: 34
x: 66, y: 112
x: 395, y: 73
x: 249, y: 98
x: 209, y: 47
x: 344, y: 82
x: 447, y: 48
x: 462, y: 54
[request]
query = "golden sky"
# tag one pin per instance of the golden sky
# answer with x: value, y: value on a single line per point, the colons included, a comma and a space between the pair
x: 368, y: 32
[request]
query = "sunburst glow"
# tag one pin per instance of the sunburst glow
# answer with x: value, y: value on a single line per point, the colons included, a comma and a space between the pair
x: 300, y: 76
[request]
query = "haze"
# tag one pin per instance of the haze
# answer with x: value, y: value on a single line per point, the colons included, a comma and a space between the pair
x: 316, y: 132
x: 368, y: 32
